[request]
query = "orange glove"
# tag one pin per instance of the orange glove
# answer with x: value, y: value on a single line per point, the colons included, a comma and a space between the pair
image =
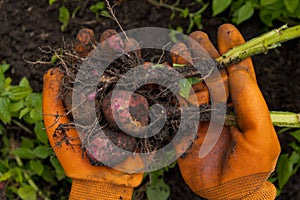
x: 89, y: 182
x: 244, y: 156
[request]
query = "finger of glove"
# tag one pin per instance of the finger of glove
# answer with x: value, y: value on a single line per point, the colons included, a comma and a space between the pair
x: 66, y: 143
x: 85, y: 42
x: 253, y: 116
x: 218, y: 86
x: 229, y: 37
x: 180, y: 54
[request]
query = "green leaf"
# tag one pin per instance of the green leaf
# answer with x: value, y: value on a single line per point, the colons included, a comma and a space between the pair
x: 60, y: 174
x: 197, y: 20
x: 172, y: 16
x: 8, y: 81
x: 37, y: 167
x: 157, y: 189
x: 194, y: 80
x: 64, y: 17
x: 5, y: 176
x: 185, y: 86
x: 53, y: 59
x: 17, y: 174
x: 16, y: 106
x: 24, y: 153
x: 267, y: 2
x: 40, y: 132
x: 42, y: 152
x: 26, y: 192
x: 2, y: 130
x: 28, y: 119
x: 295, y: 157
x: 266, y: 17
x: 49, y: 175
x: 35, y: 115
x: 18, y: 92
x: 272, y: 179
x: 104, y: 13
x: 185, y: 13
x: 5, y: 116
x: 24, y: 82
x: 27, y: 143
x: 244, y: 13
x: 291, y: 5
x: 219, y: 6
x: 34, y: 100
x: 24, y: 112
x: 191, y: 25
x: 179, y: 29
x: 51, y: 2
x: 2, y: 80
x: 297, y: 11
x: 96, y: 8
x: 295, y: 146
x: 296, y: 135
x: 4, y: 67
x: 284, y: 170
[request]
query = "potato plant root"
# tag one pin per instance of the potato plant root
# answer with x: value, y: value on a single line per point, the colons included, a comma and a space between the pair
x: 143, y: 98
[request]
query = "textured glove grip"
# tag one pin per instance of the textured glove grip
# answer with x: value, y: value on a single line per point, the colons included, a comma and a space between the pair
x: 252, y: 187
x: 95, y: 190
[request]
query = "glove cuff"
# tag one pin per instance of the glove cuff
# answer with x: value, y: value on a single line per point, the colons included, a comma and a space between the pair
x: 266, y: 192
x: 251, y: 187
x: 94, y: 190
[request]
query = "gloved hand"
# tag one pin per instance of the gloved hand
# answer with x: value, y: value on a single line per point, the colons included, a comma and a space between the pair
x: 244, y: 156
x: 89, y: 182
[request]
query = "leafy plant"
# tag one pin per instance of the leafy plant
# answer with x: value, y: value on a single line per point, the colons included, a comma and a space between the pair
x: 287, y: 11
x: 288, y: 163
x: 99, y: 9
x: 194, y: 17
x: 157, y: 188
x: 65, y: 14
x: 64, y: 17
x: 26, y: 156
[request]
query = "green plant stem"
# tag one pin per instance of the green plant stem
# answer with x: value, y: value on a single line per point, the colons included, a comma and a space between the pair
x: 162, y: 4
x: 262, y: 44
x: 177, y: 9
x: 19, y: 124
x: 29, y: 179
x: 258, y: 45
x: 281, y: 119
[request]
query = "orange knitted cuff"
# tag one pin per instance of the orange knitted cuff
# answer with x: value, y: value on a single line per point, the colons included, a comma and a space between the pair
x: 251, y: 187
x: 95, y: 190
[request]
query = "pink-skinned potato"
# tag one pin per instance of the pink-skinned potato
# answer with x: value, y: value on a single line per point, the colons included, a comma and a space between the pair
x: 109, y: 148
x: 126, y: 112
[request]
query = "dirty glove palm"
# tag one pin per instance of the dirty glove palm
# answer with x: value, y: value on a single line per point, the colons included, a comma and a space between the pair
x: 244, y: 156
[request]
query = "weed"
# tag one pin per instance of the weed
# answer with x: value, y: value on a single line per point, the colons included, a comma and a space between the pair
x: 287, y: 11
x: 26, y: 155
x: 288, y: 163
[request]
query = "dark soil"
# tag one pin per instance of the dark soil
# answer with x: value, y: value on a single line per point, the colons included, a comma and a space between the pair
x: 25, y: 26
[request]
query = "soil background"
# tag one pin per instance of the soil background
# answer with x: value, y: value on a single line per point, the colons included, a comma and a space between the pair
x: 25, y: 26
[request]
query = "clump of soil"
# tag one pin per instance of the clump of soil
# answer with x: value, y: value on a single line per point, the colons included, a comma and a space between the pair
x: 96, y: 95
x: 139, y: 104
